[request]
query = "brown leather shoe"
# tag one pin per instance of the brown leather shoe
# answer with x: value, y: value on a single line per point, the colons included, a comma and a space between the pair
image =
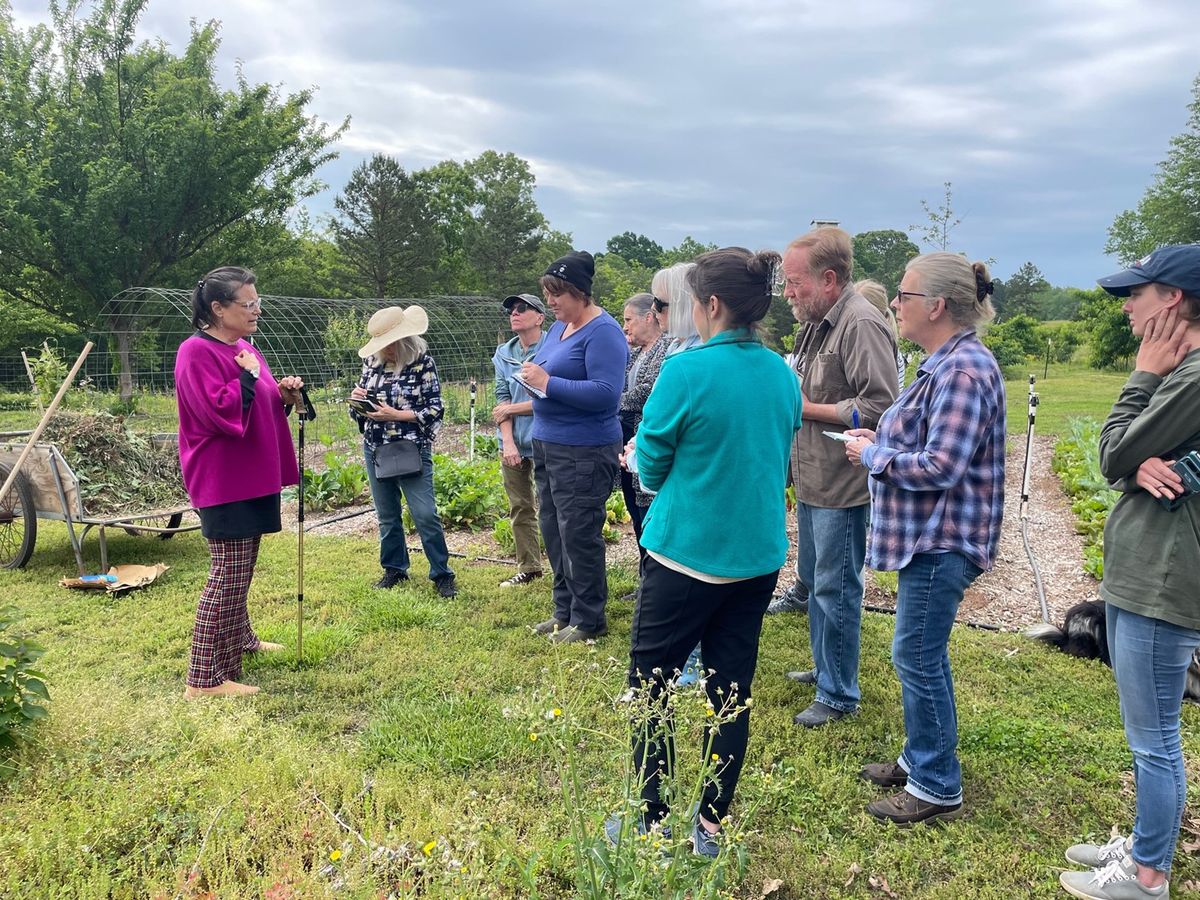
x: 267, y: 647
x: 888, y: 774
x: 224, y: 689
x: 905, y: 809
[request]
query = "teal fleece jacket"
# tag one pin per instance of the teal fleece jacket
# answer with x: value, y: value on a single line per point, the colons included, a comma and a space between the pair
x: 714, y: 443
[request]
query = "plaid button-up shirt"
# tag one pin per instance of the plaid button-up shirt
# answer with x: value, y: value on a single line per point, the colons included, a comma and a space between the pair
x: 937, y: 466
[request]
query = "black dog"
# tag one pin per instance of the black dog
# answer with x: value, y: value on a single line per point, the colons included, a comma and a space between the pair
x: 1083, y: 634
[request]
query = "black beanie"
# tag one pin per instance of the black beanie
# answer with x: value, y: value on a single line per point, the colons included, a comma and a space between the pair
x: 575, y: 268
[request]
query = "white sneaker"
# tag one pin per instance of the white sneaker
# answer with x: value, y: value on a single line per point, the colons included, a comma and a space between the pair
x: 520, y: 578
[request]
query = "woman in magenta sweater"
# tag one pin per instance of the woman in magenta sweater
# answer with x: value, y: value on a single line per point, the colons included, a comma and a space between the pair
x: 235, y: 450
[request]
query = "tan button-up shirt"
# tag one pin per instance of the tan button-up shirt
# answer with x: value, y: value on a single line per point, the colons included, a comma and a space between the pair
x: 848, y: 359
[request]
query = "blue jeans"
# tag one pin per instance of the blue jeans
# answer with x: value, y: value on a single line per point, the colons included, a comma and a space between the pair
x: 418, y: 491
x: 830, y: 548
x: 1150, y: 659
x: 931, y: 588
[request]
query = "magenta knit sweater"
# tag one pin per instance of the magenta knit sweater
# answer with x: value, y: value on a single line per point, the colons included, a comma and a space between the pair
x: 227, y: 453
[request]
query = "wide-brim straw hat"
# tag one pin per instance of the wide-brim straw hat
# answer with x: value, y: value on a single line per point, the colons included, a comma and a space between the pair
x: 390, y: 325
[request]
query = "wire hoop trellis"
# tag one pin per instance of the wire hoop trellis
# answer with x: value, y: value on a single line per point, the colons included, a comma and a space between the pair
x: 317, y: 339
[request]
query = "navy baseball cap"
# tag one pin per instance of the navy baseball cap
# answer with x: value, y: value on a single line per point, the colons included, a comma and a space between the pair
x: 528, y: 299
x: 1175, y: 266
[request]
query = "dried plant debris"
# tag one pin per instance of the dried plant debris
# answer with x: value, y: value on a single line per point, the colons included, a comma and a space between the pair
x: 119, y: 471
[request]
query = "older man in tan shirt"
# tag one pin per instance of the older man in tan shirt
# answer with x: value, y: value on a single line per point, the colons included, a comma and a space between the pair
x: 846, y: 362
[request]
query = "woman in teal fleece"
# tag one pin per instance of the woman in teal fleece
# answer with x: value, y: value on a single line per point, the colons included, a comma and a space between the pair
x: 713, y: 444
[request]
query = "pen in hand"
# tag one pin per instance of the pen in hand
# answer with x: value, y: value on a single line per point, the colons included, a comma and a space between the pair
x: 854, y: 416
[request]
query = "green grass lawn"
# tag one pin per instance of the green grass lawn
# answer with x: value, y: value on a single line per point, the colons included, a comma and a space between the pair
x: 1071, y: 390
x: 412, y: 719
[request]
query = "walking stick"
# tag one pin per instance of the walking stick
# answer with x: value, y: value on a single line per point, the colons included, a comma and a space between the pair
x: 1024, y: 515
x: 306, y: 413
x: 471, y: 451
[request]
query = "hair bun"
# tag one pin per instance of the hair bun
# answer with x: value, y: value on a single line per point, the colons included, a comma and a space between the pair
x: 983, y: 285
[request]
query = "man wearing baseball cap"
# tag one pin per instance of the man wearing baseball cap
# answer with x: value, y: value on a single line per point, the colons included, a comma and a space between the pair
x: 513, y: 415
x: 1151, y: 557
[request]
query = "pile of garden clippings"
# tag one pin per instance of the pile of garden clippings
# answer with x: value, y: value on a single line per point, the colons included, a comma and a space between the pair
x: 119, y: 471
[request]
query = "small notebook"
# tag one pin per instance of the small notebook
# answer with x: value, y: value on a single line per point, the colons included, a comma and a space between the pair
x: 541, y: 395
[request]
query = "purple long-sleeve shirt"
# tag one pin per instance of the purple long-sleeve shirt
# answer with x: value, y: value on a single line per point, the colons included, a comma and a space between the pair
x: 587, y: 375
x: 229, y: 451
x: 937, y: 466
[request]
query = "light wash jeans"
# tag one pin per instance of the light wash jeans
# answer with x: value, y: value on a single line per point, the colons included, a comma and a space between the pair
x: 418, y: 491
x: 1150, y: 659
x: 931, y: 588
x: 830, y: 548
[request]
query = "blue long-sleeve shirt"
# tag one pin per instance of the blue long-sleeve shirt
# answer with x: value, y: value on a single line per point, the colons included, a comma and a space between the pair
x: 587, y: 375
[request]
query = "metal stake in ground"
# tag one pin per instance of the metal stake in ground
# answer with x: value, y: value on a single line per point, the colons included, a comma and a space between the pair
x: 306, y: 413
x: 1037, y: 575
x: 471, y: 450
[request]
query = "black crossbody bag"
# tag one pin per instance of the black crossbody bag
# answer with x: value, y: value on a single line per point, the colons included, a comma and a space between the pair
x: 397, y: 459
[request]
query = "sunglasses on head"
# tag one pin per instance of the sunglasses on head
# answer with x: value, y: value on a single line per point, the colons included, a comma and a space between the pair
x: 661, y: 305
x: 518, y: 307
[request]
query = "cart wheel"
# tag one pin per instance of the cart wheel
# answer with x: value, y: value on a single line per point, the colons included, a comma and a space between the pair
x: 172, y: 521
x: 18, y: 523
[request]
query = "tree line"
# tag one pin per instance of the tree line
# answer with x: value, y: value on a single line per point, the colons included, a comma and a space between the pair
x: 123, y: 164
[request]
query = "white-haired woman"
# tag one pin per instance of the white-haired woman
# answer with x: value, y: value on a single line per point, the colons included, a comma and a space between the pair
x: 937, y: 499
x: 400, y: 380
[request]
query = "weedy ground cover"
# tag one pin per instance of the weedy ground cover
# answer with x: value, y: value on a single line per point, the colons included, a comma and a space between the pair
x: 398, y: 758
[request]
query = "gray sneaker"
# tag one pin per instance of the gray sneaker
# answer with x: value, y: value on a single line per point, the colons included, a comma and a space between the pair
x: 550, y: 626
x: 1096, y: 856
x: 1116, y: 881
x: 793, y: 599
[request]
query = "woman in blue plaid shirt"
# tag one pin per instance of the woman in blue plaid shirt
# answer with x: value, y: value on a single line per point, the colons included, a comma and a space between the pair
x: 937, y: 499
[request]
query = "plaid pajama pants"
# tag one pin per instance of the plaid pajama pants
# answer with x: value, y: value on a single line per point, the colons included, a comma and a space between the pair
x: 222, y: 632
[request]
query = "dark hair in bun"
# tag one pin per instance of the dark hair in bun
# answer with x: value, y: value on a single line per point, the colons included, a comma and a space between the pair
x: 741, y: 280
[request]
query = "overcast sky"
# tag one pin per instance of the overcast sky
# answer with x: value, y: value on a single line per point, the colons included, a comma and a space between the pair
x: 740, y: 121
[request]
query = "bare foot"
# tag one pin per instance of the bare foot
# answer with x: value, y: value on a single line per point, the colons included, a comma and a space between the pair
x: 267, y: 647
x: 224, y: 689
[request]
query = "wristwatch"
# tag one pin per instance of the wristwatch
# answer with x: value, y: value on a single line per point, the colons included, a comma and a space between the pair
x: 253, y: 373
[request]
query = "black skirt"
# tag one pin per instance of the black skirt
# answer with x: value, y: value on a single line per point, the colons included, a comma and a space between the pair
x: 241, y: 518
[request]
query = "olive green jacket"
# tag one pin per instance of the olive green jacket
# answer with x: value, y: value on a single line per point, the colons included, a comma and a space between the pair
x: 1151, y: 555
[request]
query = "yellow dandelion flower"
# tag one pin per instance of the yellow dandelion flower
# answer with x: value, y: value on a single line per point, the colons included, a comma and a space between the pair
x: 429, y: 848
x: 533, y: 735
x: 335, y: 855
x: 557, y: 712
x: 710, y: 712
x: 716, y: 757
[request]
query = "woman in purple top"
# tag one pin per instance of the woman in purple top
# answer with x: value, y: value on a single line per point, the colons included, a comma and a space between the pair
x: 576, y: 380
x: 937, y: 498
x: 235, y: 451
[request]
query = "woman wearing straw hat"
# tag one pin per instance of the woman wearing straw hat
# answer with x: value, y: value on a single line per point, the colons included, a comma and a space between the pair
x: 400, y: 380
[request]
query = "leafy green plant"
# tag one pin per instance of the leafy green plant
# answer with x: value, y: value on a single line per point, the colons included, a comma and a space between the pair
x: 343, y: 482
x: 486, y: 444
x: 22, y: 689
x: 1077, y: 462
x: 469, y: 494
x: 615, y: 514
x: 502, y: 531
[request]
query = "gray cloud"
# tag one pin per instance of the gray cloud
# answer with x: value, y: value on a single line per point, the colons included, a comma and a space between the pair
x: 738, y: 121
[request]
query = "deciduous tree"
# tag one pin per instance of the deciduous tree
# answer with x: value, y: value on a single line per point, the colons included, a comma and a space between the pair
x: 120, y: 162
x: 1169, y: 212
